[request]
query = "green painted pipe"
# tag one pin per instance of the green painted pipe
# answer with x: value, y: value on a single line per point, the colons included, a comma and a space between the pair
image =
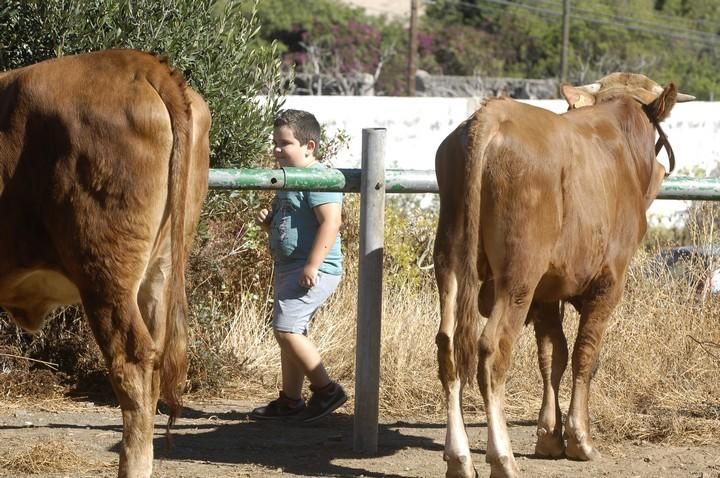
x: 688, y: 188
x: 406, y: 181
x: 291, y: 179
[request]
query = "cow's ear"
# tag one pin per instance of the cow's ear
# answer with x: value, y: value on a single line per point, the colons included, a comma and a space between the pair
x: 660, y: 108
x: 576, y: 97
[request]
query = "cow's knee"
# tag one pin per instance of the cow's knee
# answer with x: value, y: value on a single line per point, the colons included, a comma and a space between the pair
x: 486, y: 347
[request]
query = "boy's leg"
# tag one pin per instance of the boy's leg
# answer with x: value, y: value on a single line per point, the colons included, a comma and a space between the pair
x: 289, y: 403
x: 326, y: 394
x: 293, y: 309
x: 300, y: 358
x: 293, y: 374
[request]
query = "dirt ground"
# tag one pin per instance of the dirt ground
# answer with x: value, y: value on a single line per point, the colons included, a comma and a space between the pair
x: 215, y: 439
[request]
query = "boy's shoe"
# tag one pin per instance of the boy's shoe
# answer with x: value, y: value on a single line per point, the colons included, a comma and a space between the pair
x: 324, y: 402
x: 281, y: 408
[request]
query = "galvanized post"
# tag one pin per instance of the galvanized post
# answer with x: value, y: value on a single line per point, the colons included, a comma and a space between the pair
x: 370, y: 280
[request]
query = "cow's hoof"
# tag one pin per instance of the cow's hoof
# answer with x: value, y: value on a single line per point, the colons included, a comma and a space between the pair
x: 549, y: 445
x: 503, y: 467
x: 459, y: 467
x: 581, y: 450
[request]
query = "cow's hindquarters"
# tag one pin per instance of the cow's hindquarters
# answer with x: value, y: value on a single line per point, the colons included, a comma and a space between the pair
x: 520, y: 224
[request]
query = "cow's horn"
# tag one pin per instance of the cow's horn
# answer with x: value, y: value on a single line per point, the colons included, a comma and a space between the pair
x: 591, y: 88
x: 682, y: 97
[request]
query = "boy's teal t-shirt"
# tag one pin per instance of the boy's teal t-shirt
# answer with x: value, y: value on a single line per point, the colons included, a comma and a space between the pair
x: 294, y: 226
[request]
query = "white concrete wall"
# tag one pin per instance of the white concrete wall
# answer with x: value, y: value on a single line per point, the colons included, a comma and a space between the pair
x: 416, y: 126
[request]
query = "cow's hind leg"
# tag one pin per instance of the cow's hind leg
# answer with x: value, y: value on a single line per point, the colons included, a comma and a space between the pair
x: 595, y: 313
x: 152, y: 301
x: 552, y: 359
x: 513, y: 294
x: 131, y: 358
x: 457, y: 449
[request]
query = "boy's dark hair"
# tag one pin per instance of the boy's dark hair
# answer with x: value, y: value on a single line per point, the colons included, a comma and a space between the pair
x: 304, y: 125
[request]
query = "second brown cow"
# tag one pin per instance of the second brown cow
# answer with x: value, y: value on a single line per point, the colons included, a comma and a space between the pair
x: 538, y: 208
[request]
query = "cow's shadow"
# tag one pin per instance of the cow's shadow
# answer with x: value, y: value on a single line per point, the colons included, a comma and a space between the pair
x: 303, y: 449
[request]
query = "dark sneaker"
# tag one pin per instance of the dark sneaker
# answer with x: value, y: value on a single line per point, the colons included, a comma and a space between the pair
x: 324, y: 402
x: 282, y: 408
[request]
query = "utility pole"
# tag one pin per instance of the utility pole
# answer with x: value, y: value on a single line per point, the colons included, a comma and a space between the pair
x: 412, y: 48
x: 565, y: 41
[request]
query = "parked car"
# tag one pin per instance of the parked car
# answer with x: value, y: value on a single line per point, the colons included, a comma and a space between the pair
x: 697, y: 265
x: 715, y: 282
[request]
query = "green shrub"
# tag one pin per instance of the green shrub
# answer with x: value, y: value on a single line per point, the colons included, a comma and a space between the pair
x: 409, y: 239
x: 213, y: 42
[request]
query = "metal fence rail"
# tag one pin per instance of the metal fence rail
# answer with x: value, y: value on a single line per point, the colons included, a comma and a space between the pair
x: 406, y: 181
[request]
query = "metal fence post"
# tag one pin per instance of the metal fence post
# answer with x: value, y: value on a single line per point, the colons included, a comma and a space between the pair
x: 370, y: 275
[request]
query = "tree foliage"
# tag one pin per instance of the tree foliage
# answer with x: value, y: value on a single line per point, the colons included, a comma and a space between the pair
x: 667, y: 40
x: 214, y: 42
x: 324, y: 36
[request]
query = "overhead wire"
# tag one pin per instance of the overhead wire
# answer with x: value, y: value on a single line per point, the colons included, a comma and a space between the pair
x: 628, y: 23
x: 656, y: 15
x: 649, y: 23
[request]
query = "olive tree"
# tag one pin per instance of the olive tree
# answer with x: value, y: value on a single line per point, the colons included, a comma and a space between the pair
x: 213, y: 42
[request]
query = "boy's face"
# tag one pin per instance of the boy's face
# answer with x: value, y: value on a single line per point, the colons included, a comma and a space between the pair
x: 288, y: 151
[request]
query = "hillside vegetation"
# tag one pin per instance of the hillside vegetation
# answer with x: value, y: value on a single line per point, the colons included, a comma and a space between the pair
x: 664, y: 39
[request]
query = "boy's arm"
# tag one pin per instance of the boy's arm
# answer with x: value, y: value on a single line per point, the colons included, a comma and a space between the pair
x: 329, y: 216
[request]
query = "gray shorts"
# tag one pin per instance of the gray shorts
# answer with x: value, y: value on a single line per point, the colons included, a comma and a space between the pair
x: 294, y: 305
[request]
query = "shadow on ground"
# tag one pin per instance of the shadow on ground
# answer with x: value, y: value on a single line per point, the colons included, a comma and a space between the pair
x: 225, y: 436
x: 303, y: 449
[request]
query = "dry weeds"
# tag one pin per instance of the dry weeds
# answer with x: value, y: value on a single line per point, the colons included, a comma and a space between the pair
x: 50, y: 457
x: 658, y: 369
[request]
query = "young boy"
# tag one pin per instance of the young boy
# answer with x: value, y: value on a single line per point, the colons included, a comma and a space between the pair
x: 305, y: 244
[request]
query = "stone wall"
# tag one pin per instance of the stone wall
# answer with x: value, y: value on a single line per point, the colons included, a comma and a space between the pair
x: 475, y: 86
x: 359, y: 84
x: 426, y: 85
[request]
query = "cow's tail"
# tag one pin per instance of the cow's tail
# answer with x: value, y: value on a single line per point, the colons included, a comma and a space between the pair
x: 174, y: 362
x: 467, y: 326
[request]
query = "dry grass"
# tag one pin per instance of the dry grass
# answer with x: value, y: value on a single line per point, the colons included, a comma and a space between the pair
x: 659, y: 364
x: 49, y: 457
x: 657, y: 379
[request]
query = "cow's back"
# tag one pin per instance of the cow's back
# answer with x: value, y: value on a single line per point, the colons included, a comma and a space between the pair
x: 567, y: 181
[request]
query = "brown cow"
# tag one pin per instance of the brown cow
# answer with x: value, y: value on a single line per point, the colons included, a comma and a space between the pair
x: 103, y: 171
x: 538, y: 208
